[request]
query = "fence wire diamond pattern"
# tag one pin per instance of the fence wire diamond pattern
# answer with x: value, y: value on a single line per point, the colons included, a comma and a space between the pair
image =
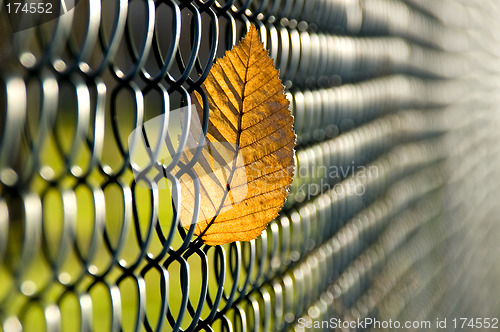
x: 393, y: 210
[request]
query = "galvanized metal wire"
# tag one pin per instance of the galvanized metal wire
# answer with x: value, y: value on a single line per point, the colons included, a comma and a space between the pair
x: 393, y: 210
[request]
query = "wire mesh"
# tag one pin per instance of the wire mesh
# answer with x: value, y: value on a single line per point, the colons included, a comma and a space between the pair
x: 392, y: 213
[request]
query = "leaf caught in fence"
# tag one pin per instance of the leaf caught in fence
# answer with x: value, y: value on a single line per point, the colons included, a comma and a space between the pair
x: 247, y: 164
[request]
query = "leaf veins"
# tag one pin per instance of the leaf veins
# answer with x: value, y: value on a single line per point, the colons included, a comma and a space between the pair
x: 247, y: 164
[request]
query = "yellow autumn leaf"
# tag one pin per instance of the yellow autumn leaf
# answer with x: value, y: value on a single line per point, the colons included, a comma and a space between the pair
x: 246, y: 165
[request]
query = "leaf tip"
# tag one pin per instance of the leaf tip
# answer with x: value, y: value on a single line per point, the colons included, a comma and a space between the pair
x: 252, y: 33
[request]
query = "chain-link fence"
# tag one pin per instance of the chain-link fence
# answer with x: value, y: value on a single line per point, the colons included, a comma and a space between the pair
x: 393, y: 210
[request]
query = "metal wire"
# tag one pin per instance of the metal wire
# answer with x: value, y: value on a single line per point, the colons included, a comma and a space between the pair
x: 392, y: 213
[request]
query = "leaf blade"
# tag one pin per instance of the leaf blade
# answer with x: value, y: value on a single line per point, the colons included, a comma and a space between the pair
x: 248, y: 108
